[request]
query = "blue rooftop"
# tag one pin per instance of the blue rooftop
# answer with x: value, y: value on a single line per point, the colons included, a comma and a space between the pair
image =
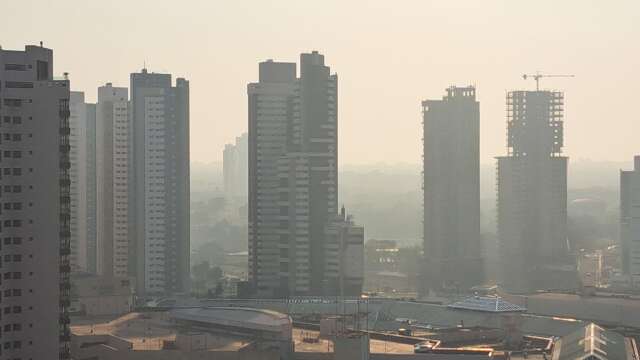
x: 487, y: 304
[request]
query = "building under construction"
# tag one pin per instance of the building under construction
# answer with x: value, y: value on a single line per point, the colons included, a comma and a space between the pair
x: 532, y: 195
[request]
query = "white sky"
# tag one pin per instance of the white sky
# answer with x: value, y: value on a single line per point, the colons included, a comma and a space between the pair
x: 389, y: 55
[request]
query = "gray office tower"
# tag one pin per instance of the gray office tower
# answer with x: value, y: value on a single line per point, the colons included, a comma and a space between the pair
x: 35, y: 217
x: 630, y: 221
x: 159, y: 183
x: 293, y: 180
x: 451, y: 184
x: 532, y: 195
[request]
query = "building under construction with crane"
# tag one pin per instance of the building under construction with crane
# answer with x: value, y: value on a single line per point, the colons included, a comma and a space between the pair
x: 532, y: 194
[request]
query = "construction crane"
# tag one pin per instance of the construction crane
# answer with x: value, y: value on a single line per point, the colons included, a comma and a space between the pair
x: 537, y: 76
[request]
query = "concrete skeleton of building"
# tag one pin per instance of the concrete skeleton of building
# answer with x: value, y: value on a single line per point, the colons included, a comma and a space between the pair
x: 293, y: 179
x: 235, y: 158
x: 532, y: 194
x: 36, y: 206
x: 112, y: 169
x: 82, y: 142
x: 630, y: 221
x: 159, y: 183
x: 451, y: 184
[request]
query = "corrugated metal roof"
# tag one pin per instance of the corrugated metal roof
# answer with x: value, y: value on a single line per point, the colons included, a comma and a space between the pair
x: 591, y: 342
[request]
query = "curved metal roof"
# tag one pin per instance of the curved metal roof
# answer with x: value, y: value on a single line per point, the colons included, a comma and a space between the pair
x: 249, y: 318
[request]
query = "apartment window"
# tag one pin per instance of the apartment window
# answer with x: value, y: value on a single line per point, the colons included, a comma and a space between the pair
x: 17, y: 309
x: 15, y: 67
x: 17, y: 137
x: 13, y: 102
x: 17, y: 171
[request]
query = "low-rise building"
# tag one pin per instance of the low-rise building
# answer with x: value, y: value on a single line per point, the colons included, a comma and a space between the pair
x: 94, y: 295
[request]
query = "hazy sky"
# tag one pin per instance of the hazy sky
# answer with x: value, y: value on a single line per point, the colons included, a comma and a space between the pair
x: 389, y: 55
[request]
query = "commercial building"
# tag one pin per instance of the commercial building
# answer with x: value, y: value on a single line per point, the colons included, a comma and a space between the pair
x: 82, y: 142
x: 36, y: 207
x: 630, y: 221
x: 451, y: 184
x: 235, y: 168
x: 293, y: 179
x: 112, y: 153
x: 532, y: 195
x: 159, y: 183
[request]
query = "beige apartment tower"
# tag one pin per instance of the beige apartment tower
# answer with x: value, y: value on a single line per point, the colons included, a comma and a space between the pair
x: 112, y: 169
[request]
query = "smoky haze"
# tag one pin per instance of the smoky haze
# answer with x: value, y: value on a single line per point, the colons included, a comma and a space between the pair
x: 388, y: 56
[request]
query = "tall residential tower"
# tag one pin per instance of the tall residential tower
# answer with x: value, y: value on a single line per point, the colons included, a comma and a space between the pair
x: 236, y: 168
x: 293, y: 179
x: 112, y: 153
x: 451, y: 183
x: 532, y: 194
x: 630, y: 220
x: 159, y: 183
x: 83, y: 181
x: 36, y: 206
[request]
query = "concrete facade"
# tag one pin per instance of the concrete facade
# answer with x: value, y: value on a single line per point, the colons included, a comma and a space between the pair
x: 293, y: 179
x: 451, y: 184
x: 113, y: 158
x: 532, y: 195
x: 36, y: 206
x: 630, y: 221
x: 159, y: 183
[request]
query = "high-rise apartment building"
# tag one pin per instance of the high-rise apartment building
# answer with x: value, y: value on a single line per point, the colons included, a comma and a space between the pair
x: 630, y: 220
x: 293, y: 181
x: 82, y: 176
x: 235, y: 168
x: 35, y: 202
x: 112, y: 168
x: 159, y: 183
x: 532, y: 194
x: 451, y: 184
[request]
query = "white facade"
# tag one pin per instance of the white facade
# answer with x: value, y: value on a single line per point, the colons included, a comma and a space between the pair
x: 112, y: 153
x: 154, y: 190
x: 34, y: 222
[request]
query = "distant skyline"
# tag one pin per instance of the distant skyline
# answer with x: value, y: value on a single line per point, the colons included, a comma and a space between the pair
x: 388, y: 59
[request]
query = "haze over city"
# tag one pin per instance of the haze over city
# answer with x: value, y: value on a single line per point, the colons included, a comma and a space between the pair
x: 388, y: 56
x: 316, y: 180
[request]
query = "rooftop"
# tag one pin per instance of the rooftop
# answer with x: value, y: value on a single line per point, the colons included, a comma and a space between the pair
x: 488, y: 304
